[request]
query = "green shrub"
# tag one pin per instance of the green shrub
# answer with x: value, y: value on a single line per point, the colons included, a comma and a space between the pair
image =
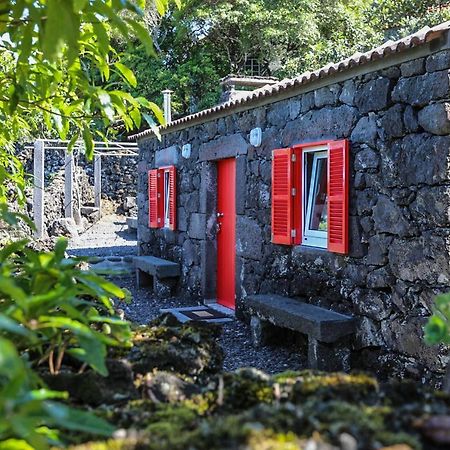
x: 55, y: 308
x: 437, y: 330
x: 29, y: 416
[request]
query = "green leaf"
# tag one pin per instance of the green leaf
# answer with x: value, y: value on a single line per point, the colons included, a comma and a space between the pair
x: 10, y: 325
x: 74, y: 419
x: 144, y: 36
x: 54, y: 31
x: 435, y: 330
x: 88, y: 141
x: 127, y: 74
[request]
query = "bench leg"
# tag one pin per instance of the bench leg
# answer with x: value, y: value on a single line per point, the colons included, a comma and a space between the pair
x: 143, y: 279
x: 333, y: 357
x: 261, y: 331
x: 164, y: 288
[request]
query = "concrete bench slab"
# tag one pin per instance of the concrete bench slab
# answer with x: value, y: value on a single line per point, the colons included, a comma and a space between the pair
x: 318, y: 323
x: 157, y: 272
x: 327, y: 331
x: 157, y: 267
x: 132, y: 223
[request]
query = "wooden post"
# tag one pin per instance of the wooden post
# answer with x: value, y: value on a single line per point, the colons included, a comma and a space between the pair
x: 69, y: 168
x: 98, y: 183
x: 38, y: 191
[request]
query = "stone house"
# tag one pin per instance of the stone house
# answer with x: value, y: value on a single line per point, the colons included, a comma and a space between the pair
x: 332, y: 187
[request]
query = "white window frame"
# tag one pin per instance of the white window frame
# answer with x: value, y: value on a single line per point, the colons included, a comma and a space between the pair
x: 312, y: 238
x: 166, y: 183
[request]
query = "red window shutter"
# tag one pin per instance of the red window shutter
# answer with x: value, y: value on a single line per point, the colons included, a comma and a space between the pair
x: 173, y: 198
x: 338, y: 178
x: 282, y: 212
x: 154, y: 198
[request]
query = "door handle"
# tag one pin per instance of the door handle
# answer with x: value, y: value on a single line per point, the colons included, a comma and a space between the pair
x: 219, y: 214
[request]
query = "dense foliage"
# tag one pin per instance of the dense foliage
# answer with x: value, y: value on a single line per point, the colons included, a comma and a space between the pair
x: 57, y: 62
x: 205, y: 41
x: 52, y: 314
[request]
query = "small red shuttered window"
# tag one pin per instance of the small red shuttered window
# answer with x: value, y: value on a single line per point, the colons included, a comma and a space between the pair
x: 172, y: 197
x: 292, y: 177
x: 154, y: 203
x: 282, y: 213
x: 338, y: 156
x: 162, y: 196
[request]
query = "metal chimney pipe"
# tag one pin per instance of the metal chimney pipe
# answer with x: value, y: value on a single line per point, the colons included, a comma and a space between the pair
x: 167, y: 105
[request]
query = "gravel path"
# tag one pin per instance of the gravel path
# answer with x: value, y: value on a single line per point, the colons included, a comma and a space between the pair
x: 109, y: 238
x: 235, y: 339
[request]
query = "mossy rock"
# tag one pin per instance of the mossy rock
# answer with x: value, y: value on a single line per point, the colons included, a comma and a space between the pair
x: 91, y: 388
x: 327, y: 386
x: 166, y: 344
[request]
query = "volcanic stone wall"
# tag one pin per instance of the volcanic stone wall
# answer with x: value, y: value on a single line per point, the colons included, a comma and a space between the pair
x: 397, y: 121
x: 119, y: 180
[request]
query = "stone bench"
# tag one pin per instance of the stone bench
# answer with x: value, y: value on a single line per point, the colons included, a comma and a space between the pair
x: 328, y: 331
x: 157, y: 273
x: 132, y: 223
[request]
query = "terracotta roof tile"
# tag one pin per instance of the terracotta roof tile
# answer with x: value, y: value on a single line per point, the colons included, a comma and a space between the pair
x: 421, y: 37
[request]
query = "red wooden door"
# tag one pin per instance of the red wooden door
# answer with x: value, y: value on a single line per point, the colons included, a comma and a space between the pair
x: 226, y: 234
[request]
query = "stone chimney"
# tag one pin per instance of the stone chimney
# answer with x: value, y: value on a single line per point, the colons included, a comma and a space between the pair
x: 234, y: 87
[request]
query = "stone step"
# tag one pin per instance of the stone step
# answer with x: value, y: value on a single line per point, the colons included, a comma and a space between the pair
x: 318, y: 323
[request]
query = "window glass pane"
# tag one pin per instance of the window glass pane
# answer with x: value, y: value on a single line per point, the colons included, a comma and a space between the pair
x: 166, y: 198
x: 318, y: 218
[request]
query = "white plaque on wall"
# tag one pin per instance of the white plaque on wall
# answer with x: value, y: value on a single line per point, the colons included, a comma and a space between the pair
x: 186, y: 151
x: 256, y: 137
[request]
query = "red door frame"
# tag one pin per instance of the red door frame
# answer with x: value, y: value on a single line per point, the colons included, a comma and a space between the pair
x: 226, y: 232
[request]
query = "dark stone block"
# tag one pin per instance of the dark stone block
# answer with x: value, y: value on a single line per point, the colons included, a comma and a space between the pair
x: 431, y: 207
x: 197, y: 226
x: 380, y: 279
x: 348, y: 93
x: 316, y: 322
x: 278, y: 114
x: 294, y: 109
x: 167, y: 156
x: 241, y: 184
x: 271, y: 139
x: 307, y: 102
x: 378, y: 249
x: 262, y: 331
x: 375, y: 305
x: 182, y: 219
x: 223, y: 147
x: 329, y: 357
x: 164, y: 288
x: 373, y: 96
x: 365, y: 131
x: 438, y: 61
x: 249, y: 238
x: 410, y: 120
x: 208, y: 266
x: 327, y: 95
x: 435, y: 118
x: 326, y: 123
x: 414, y: 67
x: 367, y: 159
x: 414, y: 160
x: 389, y: 218
x: 421, y: 90
x: 208, y: 187
x: 423, y: 259
x: 392, y: 122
